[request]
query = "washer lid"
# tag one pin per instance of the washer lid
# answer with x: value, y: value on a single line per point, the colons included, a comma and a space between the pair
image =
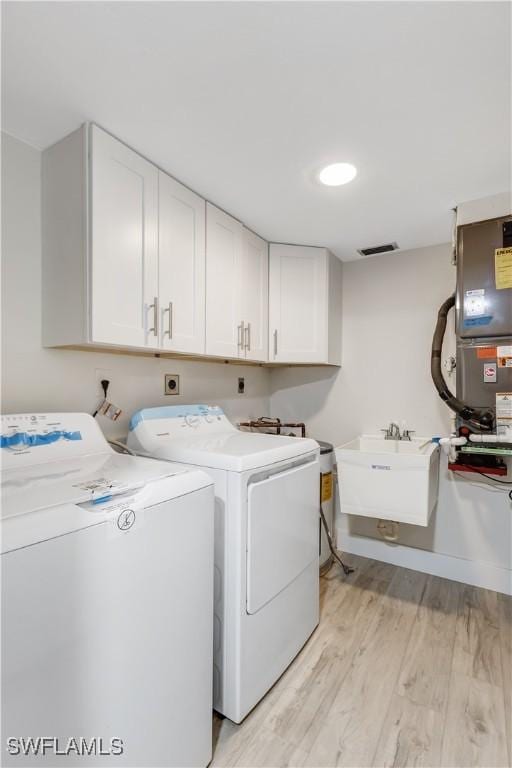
x: 75, y: 481
x: 60, y: 497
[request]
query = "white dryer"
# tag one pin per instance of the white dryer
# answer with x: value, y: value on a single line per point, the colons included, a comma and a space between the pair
x: 106, y: 634
x: 266, y: 541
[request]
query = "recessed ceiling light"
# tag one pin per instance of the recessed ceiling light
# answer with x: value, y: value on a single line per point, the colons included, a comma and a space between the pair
x: 336, y: 174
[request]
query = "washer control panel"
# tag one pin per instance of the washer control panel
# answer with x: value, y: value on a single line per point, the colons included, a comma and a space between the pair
x: 29, y: 438
x: 180, y: 420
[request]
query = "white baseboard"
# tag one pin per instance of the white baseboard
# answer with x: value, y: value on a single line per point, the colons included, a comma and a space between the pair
x: 477, y: 574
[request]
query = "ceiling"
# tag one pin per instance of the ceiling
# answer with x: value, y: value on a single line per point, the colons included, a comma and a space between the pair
x: 245, y: 102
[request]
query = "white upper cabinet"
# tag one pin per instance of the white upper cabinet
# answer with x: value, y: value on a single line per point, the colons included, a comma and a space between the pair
x: 124, y: 247
x: 181, y: 274
x: 253, y: 276
x: 224, y: 248
x: 236, y: 289
x: 304, y: 305
x: 100, y: 243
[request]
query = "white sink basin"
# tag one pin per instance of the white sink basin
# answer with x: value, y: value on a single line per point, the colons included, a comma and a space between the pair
x: 389, y: 479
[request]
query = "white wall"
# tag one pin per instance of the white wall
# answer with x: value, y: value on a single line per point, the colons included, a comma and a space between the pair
x: 389, y: 311
x: 37, y: 379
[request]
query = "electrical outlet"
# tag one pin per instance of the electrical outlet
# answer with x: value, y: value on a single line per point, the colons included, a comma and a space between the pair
x: 172, y: 384
x: 241, y: 385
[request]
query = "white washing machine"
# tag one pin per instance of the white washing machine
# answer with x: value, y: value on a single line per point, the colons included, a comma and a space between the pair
x: 107, y: 601
x: 266, y: 541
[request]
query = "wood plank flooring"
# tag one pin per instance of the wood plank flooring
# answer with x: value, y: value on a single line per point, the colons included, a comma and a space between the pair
x: 405, y: 669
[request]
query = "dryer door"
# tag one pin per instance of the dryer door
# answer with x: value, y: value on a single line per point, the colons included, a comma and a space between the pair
x: 282, y: 530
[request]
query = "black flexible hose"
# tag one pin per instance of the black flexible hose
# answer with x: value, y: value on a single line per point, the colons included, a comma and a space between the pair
x: 479, y: 418
x: 346, y: 568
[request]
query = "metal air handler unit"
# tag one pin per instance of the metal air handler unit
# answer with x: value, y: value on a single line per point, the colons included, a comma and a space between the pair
x: 484, y: 311
x: 483, y: 324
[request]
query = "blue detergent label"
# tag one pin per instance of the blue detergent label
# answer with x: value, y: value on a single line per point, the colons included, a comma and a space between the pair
x: 17, y: 439
x: 471, y: 322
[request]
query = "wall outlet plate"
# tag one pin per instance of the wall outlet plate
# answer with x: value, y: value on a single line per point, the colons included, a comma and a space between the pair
x: 172, y: 384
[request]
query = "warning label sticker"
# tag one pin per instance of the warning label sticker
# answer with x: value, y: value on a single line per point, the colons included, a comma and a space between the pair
x: 503, y: 268
x: 98, y: 484
x: 326, y: 490
x: 474, y: 303
x: 503, y: 406
x: 504, y: 356
x: 487, y: 353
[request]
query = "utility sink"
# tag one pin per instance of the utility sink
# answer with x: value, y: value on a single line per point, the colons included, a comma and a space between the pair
x: 389, y: 479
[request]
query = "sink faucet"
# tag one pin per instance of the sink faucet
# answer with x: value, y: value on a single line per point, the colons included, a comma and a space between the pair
x: 393, y: 432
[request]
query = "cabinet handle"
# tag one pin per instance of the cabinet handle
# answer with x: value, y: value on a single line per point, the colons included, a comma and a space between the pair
x: 154, y: 307
x: 168, y: 332
x: 240, y: 329
x: 275, y: 343
x: 248, y: 336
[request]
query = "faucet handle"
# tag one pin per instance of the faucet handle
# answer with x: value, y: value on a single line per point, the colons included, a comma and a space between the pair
x: 387, y: 433
x: 406, y: 434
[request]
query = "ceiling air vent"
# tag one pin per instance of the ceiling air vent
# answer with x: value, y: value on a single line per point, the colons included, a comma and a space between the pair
x: 378, y: 249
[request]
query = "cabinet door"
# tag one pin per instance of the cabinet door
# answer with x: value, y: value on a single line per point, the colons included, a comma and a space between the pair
x: 181, y: 267
x: 254, y: 296
x: 223, y: 255
x: 298, y: 304
x: 124, y: 244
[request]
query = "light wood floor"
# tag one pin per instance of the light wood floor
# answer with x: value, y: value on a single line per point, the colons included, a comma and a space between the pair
x: 405, y: 669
